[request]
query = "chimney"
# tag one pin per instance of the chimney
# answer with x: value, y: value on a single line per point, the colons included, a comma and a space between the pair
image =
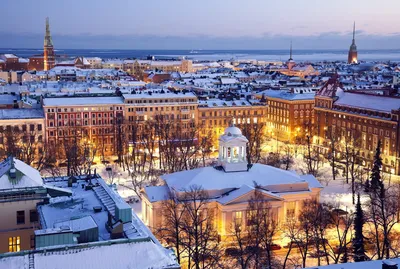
x: 388, y: 264
x: 12, y: 172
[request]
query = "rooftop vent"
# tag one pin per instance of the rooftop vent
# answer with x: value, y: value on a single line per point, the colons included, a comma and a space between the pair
x: 13, y: 173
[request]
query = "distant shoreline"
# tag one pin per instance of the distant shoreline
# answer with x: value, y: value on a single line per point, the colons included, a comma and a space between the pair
x: 311, y: 55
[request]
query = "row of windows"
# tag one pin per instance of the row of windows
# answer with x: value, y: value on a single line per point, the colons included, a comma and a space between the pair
x: 33, y: 216
x: 369, y: 121
x: 230, y: 113
x: 150, y: 109
x: 84, y: 123
x: 52, y: 110
x: 24, y: 128
x: 85, y: 115
x: 352, y: 125
x: 160, y: 101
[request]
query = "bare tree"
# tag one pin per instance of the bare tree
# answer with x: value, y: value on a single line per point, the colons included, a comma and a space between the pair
x: 312, y: 158
x: 341, y: 223
x: 333, y: 140
x: 172, y: 229
x: 201, y: 238
x: 254, y: 132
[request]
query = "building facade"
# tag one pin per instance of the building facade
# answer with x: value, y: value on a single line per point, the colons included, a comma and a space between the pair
x: 20, y: 192
x: 214, y: 115
x: 361, y: 118
x: 290, y: 113
x: 93, y: 119
x: 230, y: 187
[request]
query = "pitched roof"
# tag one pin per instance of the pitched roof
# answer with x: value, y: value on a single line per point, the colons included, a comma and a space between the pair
x: 26, y: 176
x: 212, y: 179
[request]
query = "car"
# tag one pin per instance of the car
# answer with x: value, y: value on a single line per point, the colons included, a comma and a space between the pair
x: 295, y: 244
x: 253, y: 249
x: 275, y: 247
x: 317, y: 254
x: 233, y: 252
x: 313, y: 241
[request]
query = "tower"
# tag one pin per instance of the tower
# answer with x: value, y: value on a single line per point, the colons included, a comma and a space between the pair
x: 48, y: 55
x: 352, y: 59
x: 291, y: 63
x: 232, y: 150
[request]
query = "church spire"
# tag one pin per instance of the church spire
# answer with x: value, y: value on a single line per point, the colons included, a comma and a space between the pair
x: 48, y: 52
x: 353, y: 57
x: 47, y: 38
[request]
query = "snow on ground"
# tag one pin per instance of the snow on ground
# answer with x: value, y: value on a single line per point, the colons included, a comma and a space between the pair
x: 357, y: 265
x: 132, y: 255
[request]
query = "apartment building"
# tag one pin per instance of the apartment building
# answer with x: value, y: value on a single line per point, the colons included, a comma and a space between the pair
x: 290, y: 113
x: 361, y: 118
x: 21, y: 189
x: 216, y: 114
x: 150, y: 104
x: 22, y: 126
x: 91, y: 118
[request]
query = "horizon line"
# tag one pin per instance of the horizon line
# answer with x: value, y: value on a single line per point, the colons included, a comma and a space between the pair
x: 345, y: 49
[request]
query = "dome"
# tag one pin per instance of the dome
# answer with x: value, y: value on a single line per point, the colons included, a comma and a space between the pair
x: 232, y: 130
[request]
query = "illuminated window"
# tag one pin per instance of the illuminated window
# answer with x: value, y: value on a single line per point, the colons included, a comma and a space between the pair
x: 251, y: 217
x: 290, y: 210
x: 238, y: 218
x: 14, y: 244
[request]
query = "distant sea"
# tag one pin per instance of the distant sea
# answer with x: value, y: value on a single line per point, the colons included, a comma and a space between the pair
x: 272, y: 55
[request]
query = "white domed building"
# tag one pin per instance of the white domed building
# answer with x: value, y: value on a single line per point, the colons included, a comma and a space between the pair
x: 230, y: 186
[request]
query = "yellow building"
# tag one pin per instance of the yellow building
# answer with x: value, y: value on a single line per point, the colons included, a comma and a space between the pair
x: 21, y: 188
x: 215, y: 115
x: 149, y: 104
x: 290, y: 113
x: 230, y: 186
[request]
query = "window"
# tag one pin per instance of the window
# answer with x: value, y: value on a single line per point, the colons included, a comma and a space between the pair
x: 251, y: 217
x: 33, y: 216
x: 238, y: 218
x: 14, y: 244
x: 290, y: 210
x: 21, y: 217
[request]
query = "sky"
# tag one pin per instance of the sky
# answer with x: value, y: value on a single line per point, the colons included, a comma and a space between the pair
x: 201, y: 24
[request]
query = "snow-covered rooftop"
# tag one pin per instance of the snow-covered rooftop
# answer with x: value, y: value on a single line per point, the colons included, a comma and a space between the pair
x: 7, y: 99
x: 223, y: 103
x: 21, y: 113
x: 359, y: 265
x: 26, y: 176
x: 156, y: 94
x: 120, y: 254
x: 82, y: 101
x: 368, y: 101
x: 299, y: 94
x: 212, y: 179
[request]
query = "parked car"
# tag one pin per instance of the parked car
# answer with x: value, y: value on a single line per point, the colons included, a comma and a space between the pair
x: 275, y: 247
x: 253, y: 249
x: 233, y: 252
x: 295, y: 244
x: 316, y: 254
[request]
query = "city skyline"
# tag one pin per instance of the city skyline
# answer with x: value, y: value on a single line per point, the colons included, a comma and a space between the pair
x: 204, y: 25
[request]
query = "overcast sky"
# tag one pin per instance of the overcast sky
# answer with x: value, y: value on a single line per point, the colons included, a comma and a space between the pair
x: 201, y: 24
